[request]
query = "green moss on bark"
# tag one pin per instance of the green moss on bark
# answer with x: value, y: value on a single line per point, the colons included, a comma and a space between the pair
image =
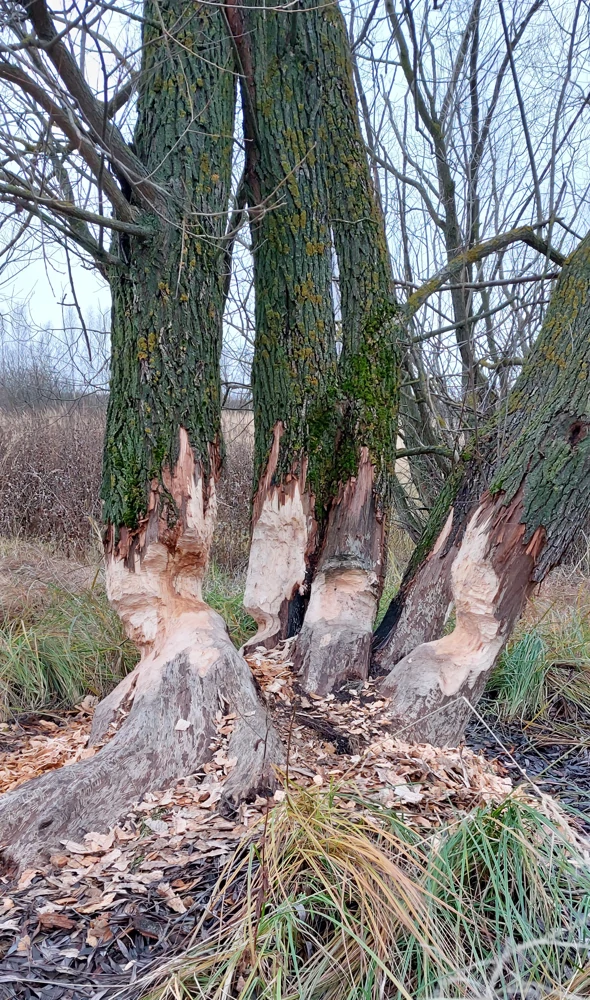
x: 369, y: 365
x: 311, y: 162
x: 168, y: 301
x: 546, y: 426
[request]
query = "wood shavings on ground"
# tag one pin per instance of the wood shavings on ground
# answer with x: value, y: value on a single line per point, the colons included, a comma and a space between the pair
x: 32, y: 745
x: 109, y: 907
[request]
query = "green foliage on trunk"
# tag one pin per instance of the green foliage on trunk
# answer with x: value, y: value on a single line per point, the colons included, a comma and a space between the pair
x: 168, y: 301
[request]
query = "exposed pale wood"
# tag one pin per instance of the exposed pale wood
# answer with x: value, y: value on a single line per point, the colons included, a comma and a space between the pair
x: 432, y: 687
x: 189, y: 670
x: 334, y: 644
x: 283, y: 533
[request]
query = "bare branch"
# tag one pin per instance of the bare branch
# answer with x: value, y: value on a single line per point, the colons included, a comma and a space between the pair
x: 19, y: 194
x: 524, y: 234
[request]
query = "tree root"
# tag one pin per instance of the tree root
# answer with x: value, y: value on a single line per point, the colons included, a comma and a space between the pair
x: 174, y: 697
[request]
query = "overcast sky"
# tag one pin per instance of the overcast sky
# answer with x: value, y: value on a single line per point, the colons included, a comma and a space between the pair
x: 44, y: 285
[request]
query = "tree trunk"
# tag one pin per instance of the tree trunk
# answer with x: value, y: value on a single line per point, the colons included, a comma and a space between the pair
x: 538, y: 454
x: 422, y: 604
x: 295, y: 354
x: 161, y: 461
x: 335, y: 640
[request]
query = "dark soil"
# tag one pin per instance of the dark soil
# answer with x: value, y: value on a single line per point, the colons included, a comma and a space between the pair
x: 561, y: 769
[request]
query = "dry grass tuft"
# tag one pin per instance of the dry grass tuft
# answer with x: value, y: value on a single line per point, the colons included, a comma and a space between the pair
x: 340, y: 900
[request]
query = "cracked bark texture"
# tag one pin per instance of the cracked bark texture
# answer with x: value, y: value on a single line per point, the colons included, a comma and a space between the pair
x: 335, y: 641
x: 534, y: 459
x: 295, y: 354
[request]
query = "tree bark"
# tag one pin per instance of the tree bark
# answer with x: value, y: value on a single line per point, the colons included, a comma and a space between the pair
x: 494, y: 544
x: 161, y: 462
x: 422, y: 604
x: 335, y: 640
x: 295, y: 355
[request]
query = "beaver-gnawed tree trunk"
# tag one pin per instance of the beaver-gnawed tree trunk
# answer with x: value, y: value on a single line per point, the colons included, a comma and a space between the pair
x: 162, y: 457
x: 325, y: 430
x: 508, y: 517
x: 295, y: 352
x: 335, y: 641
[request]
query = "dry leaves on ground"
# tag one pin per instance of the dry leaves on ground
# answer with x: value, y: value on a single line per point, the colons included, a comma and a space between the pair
x: 105, y: 907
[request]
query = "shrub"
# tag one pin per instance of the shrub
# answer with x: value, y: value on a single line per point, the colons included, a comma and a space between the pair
x: 50, y: 476
x: 50, y: 469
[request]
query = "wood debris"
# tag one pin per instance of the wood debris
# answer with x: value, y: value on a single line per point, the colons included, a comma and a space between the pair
x: 105, y: 908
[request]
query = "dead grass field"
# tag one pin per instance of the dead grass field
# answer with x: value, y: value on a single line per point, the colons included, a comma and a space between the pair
x: 50, y: 475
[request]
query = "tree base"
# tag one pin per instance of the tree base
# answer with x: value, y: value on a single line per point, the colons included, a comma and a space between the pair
x: 432, y: 688
x: 334, y: 645
x: 283, y: 535
x: 418, y: 611
x: 420, y: 711
x: 173, y: 696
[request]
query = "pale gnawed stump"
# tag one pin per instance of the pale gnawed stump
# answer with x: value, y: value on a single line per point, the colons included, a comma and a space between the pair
x: 432, y: 688
x: 334, y: 644
x: 189, y: 670
x: 283, y: 536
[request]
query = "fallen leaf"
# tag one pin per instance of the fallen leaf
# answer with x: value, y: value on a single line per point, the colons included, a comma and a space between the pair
x: 74, y: 848
x: 97, y: 904
x: 59, y: 860
x: 26, y: 878
x: 99, y: 841
x: 172, y: 900
x: 99, y: 930
x: 50, y: 921
x: 182, y: 725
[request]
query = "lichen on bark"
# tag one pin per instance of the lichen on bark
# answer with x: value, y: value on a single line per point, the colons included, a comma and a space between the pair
x: 294, y: 357
x: 370, y: 359
x: 527, y: 482
x: 547, y: 419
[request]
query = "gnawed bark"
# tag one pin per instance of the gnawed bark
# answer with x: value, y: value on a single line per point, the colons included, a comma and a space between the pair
x: 335, y: 641
x: 283, y: 536
x: 535, y: 459
x: 433, y: 687
x: 422, y: 604
x: 189, y: 670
